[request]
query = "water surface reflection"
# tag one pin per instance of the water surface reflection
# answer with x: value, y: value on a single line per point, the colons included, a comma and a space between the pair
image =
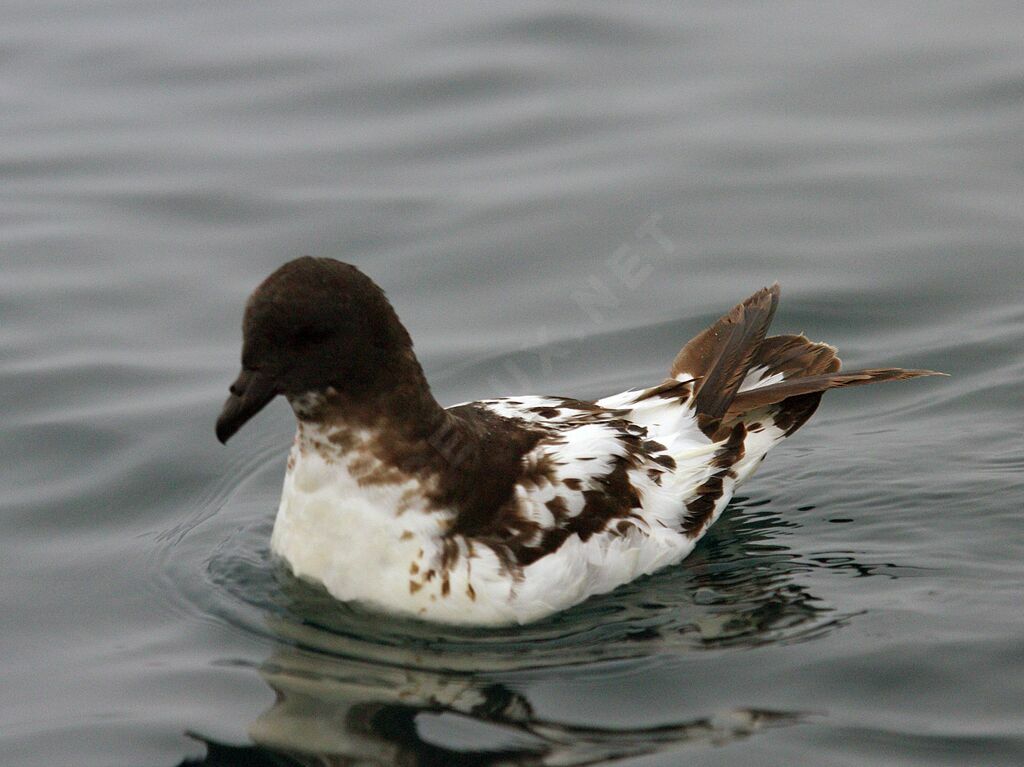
x: 330, y: 711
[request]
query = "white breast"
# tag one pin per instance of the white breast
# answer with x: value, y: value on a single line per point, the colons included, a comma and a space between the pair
x: 378, y: 543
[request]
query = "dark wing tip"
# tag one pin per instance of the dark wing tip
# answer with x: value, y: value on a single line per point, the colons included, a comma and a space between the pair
x: 770, y: 292
x: 899, y: 374
x: 722, y: 354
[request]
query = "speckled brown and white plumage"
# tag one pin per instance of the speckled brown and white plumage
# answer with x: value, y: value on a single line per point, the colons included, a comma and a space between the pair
x: 504, y: 510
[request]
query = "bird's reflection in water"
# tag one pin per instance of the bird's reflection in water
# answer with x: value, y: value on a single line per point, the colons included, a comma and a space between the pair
x: 341, y: 712
x: 352, y: 688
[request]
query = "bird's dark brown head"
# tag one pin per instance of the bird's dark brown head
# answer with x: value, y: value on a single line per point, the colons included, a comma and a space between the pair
x: 314, y: 326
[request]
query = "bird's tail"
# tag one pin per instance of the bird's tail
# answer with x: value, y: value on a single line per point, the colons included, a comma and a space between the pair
x: 741, y: 376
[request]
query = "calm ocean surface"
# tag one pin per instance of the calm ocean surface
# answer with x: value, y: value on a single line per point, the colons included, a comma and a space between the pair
x: 556, y: 197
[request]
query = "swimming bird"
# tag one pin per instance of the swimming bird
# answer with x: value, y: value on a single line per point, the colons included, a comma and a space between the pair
x: 505, y: 510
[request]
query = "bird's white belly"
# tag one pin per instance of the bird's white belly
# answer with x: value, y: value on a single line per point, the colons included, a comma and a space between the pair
x: 382, y: 546
x: 349, y: 538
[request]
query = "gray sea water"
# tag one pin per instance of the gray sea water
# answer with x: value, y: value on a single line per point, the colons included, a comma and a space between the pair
x: 556, y: 196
